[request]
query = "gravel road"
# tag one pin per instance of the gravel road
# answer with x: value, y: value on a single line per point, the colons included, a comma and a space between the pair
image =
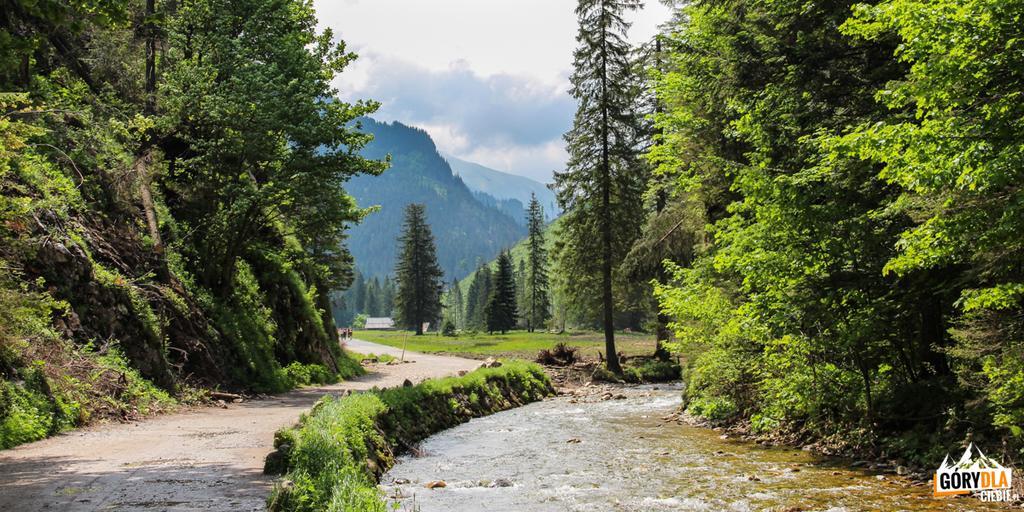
x: 205, y: 458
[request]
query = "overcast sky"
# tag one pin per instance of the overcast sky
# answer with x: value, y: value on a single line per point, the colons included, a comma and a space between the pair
x: 488, y: 79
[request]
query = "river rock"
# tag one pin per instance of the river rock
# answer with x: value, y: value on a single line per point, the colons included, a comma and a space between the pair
x: 435, y: 484
x: 401, y: 481
x: 574, y: 440
x: 462, y: 373
x: 407, y: 383
x: 501, y: 482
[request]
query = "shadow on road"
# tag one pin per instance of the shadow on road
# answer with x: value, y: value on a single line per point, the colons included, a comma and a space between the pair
x: 68, y: 485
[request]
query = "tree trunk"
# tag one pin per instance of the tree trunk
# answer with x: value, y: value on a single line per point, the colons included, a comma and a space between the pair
x: 606, y: 221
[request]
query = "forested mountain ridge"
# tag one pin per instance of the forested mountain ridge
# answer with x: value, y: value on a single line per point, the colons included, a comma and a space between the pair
x: 466, y: 230
x: 504, y: 186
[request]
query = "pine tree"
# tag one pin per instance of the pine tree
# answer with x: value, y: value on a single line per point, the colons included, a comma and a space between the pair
x: 602, y: 185
x: 357, y: 299
x: 538, y: 303
x: 521, y: 305
x: 455, y: 304
x: 476, y: 298
x: 387, y: 300
x: 419, y: 276
x: 501, y: 308
x: 372, y: 305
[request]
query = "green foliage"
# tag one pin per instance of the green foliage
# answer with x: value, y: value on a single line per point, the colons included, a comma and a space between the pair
x: 449, y: 329
x: 29, y: 410
x: 537, y: 303
x: 714, y: 408
x: 359, y: 321
x: 418, y: 298
x: 603, y: 183
x: 454, y: 310
x: 192, y: 220
x: 479, y: 292
x: 299, y: 374
x: 844, y: 176
x: 343, y: 446
x: 501, y: 306
x: 955, y: 147
x: 646, y: 371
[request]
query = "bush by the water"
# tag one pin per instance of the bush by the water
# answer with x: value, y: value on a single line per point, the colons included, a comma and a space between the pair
x: 647, y: 370
x: 336, y: 454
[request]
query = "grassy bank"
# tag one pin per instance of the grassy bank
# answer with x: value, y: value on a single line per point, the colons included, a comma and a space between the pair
x: 515, y: 344
x: 337, y: 453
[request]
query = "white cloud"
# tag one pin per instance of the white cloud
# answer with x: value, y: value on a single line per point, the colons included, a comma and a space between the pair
x: 536, y: 162
x: 486, y: 78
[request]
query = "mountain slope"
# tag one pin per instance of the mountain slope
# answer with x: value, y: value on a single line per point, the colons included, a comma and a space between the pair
x: 504, y: 186
x: 466, y: 231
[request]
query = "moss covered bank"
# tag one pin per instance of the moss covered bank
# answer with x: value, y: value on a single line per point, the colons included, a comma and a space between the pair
x: 336, y: 455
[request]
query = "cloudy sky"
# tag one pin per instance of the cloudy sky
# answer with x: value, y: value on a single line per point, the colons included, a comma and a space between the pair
x: 488, y: 79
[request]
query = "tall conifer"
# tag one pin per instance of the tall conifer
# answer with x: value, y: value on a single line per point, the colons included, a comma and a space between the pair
x: 602, y: 185
x: 419, y: 276
x: 538, y: 304
x: 501, y: 308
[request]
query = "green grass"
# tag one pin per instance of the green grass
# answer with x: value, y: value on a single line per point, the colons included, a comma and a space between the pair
x: 515, y: 344
x: 336, y: 455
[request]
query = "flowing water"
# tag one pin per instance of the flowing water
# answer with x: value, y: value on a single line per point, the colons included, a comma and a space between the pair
x: 620, y: 455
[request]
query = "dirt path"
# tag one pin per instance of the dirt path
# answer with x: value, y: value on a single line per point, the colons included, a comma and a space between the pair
x: 202, y: 459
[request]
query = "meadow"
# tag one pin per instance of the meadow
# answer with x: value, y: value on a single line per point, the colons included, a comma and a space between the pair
x: 514, y: 344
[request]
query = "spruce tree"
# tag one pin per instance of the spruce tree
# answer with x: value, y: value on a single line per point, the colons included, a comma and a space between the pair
x: 357, y: 298
x: 501, y: 308
x: 538, y: 304
x: 419, y: 276
x: 477, y: 297
x: 455, y: 304
x: 387, y: 300
x: 602, y: 185
x: 371, y: 306
x: 521, y: 305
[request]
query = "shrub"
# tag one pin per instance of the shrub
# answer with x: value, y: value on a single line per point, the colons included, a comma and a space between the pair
x: 448, y: 329
x: 712, y: 408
